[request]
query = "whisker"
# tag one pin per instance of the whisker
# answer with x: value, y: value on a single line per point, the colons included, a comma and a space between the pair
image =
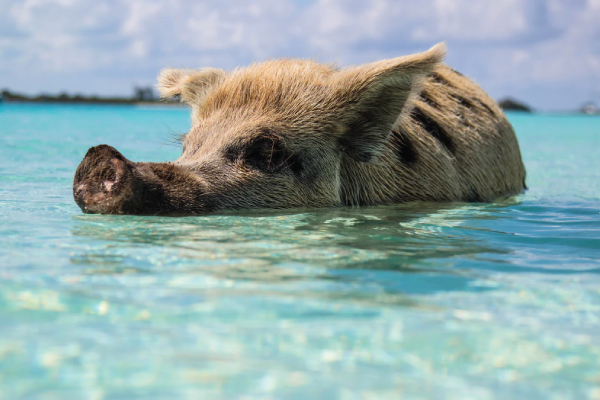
x: 284, y: 161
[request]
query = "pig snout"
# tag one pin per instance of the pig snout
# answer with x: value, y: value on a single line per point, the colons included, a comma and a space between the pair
x: 103, y: 181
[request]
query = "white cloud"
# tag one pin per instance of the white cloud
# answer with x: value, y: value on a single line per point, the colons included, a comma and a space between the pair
x: 477, y: 21
x: 523, y: 47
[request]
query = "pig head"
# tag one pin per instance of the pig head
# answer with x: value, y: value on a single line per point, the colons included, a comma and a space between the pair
x: 272, y: 135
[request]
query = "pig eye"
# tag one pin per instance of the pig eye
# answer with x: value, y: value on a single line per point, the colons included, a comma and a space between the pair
x: 267, y: 154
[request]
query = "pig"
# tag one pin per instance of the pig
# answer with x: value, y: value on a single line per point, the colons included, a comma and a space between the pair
x: 292, y: 133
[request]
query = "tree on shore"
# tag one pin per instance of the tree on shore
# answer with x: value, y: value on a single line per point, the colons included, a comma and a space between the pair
x: 143, y: 93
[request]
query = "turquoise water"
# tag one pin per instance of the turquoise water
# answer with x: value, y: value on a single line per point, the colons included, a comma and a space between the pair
x: 452, y: 301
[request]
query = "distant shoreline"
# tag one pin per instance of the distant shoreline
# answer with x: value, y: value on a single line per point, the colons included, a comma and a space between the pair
x: 86, y: 100
x: 107, y: 103
x: 6, y: 97
x: 144, y: 96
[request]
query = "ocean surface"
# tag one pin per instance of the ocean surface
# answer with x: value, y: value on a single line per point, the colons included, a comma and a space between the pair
x: 418, y: 301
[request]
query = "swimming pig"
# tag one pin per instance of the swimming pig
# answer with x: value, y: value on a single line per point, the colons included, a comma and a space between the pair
x: 295, y: 133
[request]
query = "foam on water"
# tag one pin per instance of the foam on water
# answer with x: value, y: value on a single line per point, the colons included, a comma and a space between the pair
x: 454, y: 301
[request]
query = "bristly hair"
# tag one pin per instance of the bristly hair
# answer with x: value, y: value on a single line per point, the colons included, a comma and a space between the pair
x: 174, y: 138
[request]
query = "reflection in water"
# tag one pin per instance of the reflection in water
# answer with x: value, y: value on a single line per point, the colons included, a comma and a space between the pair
x: 325, y: 249
x: 416, y: 293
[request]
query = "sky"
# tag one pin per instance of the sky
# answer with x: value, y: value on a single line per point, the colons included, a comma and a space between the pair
x: 543, y: 52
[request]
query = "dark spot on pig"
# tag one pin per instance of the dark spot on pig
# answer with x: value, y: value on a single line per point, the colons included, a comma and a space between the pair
x: 403, y: 147
x: 463, y: 102
x: 487, y: 108
x: 433, y: 128
x: 426, y: 97
x: 438, y: 78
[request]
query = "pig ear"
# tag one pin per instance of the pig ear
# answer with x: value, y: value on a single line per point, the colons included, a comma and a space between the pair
x: 189, y: 84
x: 375, y: 96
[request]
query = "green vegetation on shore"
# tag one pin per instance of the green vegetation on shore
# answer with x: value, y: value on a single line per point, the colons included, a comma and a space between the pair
x: 140, y: 95
x: 509, y: 104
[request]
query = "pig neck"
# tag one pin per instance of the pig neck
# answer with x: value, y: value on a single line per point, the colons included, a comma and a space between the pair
x: 369, y: 183
x: 391, y: 180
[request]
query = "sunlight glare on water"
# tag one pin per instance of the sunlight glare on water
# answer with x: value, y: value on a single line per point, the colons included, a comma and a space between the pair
x: 453, y: 301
